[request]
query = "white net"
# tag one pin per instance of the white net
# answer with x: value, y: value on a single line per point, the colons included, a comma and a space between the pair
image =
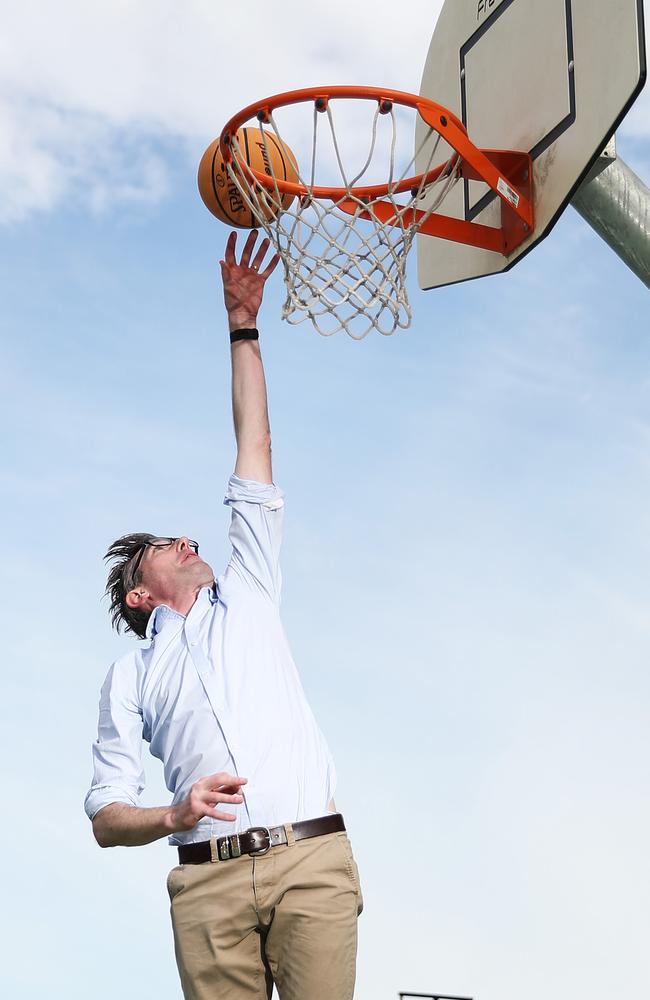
x: 344, y: 261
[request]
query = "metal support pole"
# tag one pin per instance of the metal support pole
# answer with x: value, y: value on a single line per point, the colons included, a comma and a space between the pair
x: 616, y: 203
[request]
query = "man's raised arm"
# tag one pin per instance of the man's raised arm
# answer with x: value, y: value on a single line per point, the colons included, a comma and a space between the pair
x: 243, y: 287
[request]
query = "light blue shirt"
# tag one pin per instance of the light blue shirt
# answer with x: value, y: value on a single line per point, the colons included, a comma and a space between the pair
x: 217, y: 690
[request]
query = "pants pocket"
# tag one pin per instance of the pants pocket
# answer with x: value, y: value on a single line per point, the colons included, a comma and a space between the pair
x: 351, y: 868
x: 174, y: 881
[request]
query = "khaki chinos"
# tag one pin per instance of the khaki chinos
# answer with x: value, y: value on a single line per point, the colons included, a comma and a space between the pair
x: 287, y: 917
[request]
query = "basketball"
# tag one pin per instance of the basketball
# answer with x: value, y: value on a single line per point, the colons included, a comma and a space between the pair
x: 222, y: 196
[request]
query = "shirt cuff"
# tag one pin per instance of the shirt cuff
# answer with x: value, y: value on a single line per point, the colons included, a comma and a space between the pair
x: 97, y: 798
x: 266, y: 494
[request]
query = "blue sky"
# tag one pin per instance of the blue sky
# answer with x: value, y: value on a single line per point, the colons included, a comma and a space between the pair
x: 465, y: 566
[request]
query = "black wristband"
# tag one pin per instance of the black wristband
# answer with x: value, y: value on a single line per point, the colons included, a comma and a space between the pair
x: 244, y: 335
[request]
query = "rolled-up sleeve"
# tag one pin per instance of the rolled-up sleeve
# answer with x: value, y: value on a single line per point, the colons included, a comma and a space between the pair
x: 117, y: 753
x: 255, y: 535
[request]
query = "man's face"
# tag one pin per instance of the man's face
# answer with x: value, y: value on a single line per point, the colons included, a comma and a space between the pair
x: 170, y: 571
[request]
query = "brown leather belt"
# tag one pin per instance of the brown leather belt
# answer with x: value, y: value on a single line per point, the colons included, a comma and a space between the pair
x: 257, y: 841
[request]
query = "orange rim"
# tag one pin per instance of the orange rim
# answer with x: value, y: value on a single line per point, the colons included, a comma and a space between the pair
x: 320, y: 96
x: 439, y: 118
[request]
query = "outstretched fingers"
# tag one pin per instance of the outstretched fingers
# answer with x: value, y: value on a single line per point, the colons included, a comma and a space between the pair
x: 251, y: 259
x: 243, y: 282
x: 248, y: 248
x: 230, y: 248
x: 260, y: 254
x: 259, y: 258
x: 271, y: 266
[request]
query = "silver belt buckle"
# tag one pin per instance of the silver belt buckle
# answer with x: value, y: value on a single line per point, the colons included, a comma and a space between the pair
x: 229, y: 847
x: 260, y: 850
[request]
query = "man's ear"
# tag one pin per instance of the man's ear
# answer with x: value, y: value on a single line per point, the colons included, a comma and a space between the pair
x: 136, y: 598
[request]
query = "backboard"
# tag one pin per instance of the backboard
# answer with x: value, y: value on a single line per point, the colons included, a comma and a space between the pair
x: 550, y: 77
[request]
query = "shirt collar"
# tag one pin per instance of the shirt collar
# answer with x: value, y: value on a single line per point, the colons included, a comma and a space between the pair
x: 163, y: 614
x: 159, y: 617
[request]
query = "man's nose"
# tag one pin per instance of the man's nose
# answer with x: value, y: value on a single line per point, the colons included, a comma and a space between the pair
x: 182, y: 543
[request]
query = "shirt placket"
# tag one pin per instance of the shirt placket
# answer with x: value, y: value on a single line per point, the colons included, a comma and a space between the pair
x: 211, y: 677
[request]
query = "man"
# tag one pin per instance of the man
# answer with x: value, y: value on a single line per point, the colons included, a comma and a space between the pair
x: 267, y: 889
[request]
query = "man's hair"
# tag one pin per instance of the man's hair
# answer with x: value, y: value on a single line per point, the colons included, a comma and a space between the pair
x: 123, y: 553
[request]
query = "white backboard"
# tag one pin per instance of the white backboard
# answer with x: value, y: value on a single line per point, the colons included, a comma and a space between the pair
x: 553, y: 78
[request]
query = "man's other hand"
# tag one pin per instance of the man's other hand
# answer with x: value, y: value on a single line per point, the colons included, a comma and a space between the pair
x: 203, y: 798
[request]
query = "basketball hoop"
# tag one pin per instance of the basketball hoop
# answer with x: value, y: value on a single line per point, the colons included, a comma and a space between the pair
x: 344, y: 246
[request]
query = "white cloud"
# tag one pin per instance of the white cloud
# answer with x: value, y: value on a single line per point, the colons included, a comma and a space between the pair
x: 48, y: 154
x: 178, y: 65
x: 87, y: 91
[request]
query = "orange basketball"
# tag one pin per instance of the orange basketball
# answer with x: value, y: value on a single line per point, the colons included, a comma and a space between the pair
x: 222, y: 196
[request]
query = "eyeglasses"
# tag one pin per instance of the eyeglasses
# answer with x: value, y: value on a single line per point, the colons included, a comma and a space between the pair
x: 155, y: 543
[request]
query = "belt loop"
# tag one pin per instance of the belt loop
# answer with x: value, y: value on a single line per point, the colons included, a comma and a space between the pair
x: 290, y: 834
x: 214, y: 853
